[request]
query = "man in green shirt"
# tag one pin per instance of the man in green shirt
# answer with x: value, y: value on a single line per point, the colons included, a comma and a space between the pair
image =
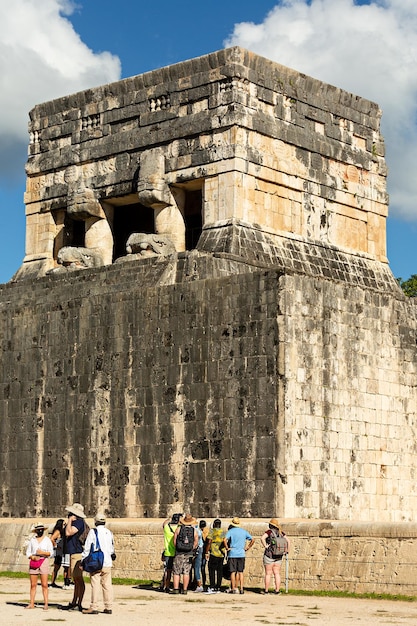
x: 169, y: 528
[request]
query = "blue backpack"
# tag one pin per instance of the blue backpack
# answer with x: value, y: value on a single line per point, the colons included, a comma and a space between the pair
x: 93, y: 562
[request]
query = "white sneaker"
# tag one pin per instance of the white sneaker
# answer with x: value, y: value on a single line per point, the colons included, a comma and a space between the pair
x: 199, y: 590
x: 210, y: 590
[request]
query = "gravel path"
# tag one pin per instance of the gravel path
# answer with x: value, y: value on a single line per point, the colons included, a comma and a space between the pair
x: 150, y: 608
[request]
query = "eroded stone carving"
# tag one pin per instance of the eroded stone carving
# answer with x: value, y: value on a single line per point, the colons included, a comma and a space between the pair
x: 146, y: 245
x: 153, y: 190
x: 75, y: 258
x: 168, y: 204
x: 169, y: 220
x: 82, y: 204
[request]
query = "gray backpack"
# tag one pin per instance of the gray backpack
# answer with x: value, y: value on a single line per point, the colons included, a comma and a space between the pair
x: 278, y: 545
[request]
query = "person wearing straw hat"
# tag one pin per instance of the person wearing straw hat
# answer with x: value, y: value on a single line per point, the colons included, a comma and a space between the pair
x: 38, y: 552
x: 271, y: 560
x: 101, y: 578
x: 186, y: 542
x: 73, y: 530
x: 237, y: 542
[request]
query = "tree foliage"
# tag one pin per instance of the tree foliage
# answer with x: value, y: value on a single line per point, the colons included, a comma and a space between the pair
x: 409, y: 286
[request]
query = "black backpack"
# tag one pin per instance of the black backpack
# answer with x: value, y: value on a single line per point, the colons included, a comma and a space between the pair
x: 185, y: 539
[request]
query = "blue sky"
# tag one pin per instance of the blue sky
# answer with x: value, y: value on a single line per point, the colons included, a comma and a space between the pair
x: 49, y: 48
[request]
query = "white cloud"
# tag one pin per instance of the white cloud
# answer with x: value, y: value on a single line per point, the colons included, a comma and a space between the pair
x: 368, y: 48
x: 41, y: 58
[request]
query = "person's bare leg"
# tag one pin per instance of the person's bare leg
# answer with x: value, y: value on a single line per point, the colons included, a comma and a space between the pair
x: 277, y: 575
x: 44, y: 583
x: 268, y: 572
x: 233, y: 580
x: 167, y: 578
x: 79, y: 589
x: 55, y: 573
x: 79, y: 584
x: 32, y: 594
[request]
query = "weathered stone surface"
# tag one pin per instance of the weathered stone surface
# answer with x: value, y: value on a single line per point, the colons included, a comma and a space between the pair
x: 76, y: 258
x: 268, y: 366
x: 149, y: 245
x: 209, y: 383
x: 324, y: 554
x: 263, y: 144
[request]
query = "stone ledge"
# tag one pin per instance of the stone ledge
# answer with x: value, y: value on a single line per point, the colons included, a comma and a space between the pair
x: 356, y: 557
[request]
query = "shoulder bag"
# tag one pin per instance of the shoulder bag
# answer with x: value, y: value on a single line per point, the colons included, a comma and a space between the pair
x: 93, y: 562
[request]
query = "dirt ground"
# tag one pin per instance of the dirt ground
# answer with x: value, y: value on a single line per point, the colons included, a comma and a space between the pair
x: 150, y: 608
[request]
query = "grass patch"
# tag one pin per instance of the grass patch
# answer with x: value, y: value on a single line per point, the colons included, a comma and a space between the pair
x: 14, y: 574
x: 143, y: 599
x: 153, y: 584
x: 9, y: 593
x: 347, y: 594
x: 146, y: 584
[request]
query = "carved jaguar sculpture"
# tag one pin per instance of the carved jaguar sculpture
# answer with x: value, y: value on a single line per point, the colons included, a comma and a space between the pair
x: 145, y: 244
x: 73, y: 258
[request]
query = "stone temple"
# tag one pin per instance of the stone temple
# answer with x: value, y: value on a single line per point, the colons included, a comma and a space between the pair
x: 205, y: 318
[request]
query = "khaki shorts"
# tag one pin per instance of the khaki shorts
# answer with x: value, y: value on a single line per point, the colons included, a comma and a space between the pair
x: 182, y: 563
x: 75, y: 571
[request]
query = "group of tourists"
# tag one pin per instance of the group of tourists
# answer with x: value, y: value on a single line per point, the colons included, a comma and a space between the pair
x: 189, y: 546
x: 72, y: 544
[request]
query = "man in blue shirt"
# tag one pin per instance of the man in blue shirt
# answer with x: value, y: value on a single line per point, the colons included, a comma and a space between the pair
x: 73, y: 530
x: 237, y: 542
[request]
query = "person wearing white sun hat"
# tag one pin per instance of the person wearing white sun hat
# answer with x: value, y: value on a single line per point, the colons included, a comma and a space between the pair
x: 73, y: 531
x: 39, y: 550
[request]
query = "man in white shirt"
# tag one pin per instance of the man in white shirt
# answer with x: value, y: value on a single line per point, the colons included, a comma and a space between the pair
x: 101, y: 578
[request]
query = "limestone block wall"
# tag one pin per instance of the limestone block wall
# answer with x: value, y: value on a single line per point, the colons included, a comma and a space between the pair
x: 264, y: 144
x: 324, y: 555
x: 125, y: 388
x: 211, y: 384
x: 347, y: 373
